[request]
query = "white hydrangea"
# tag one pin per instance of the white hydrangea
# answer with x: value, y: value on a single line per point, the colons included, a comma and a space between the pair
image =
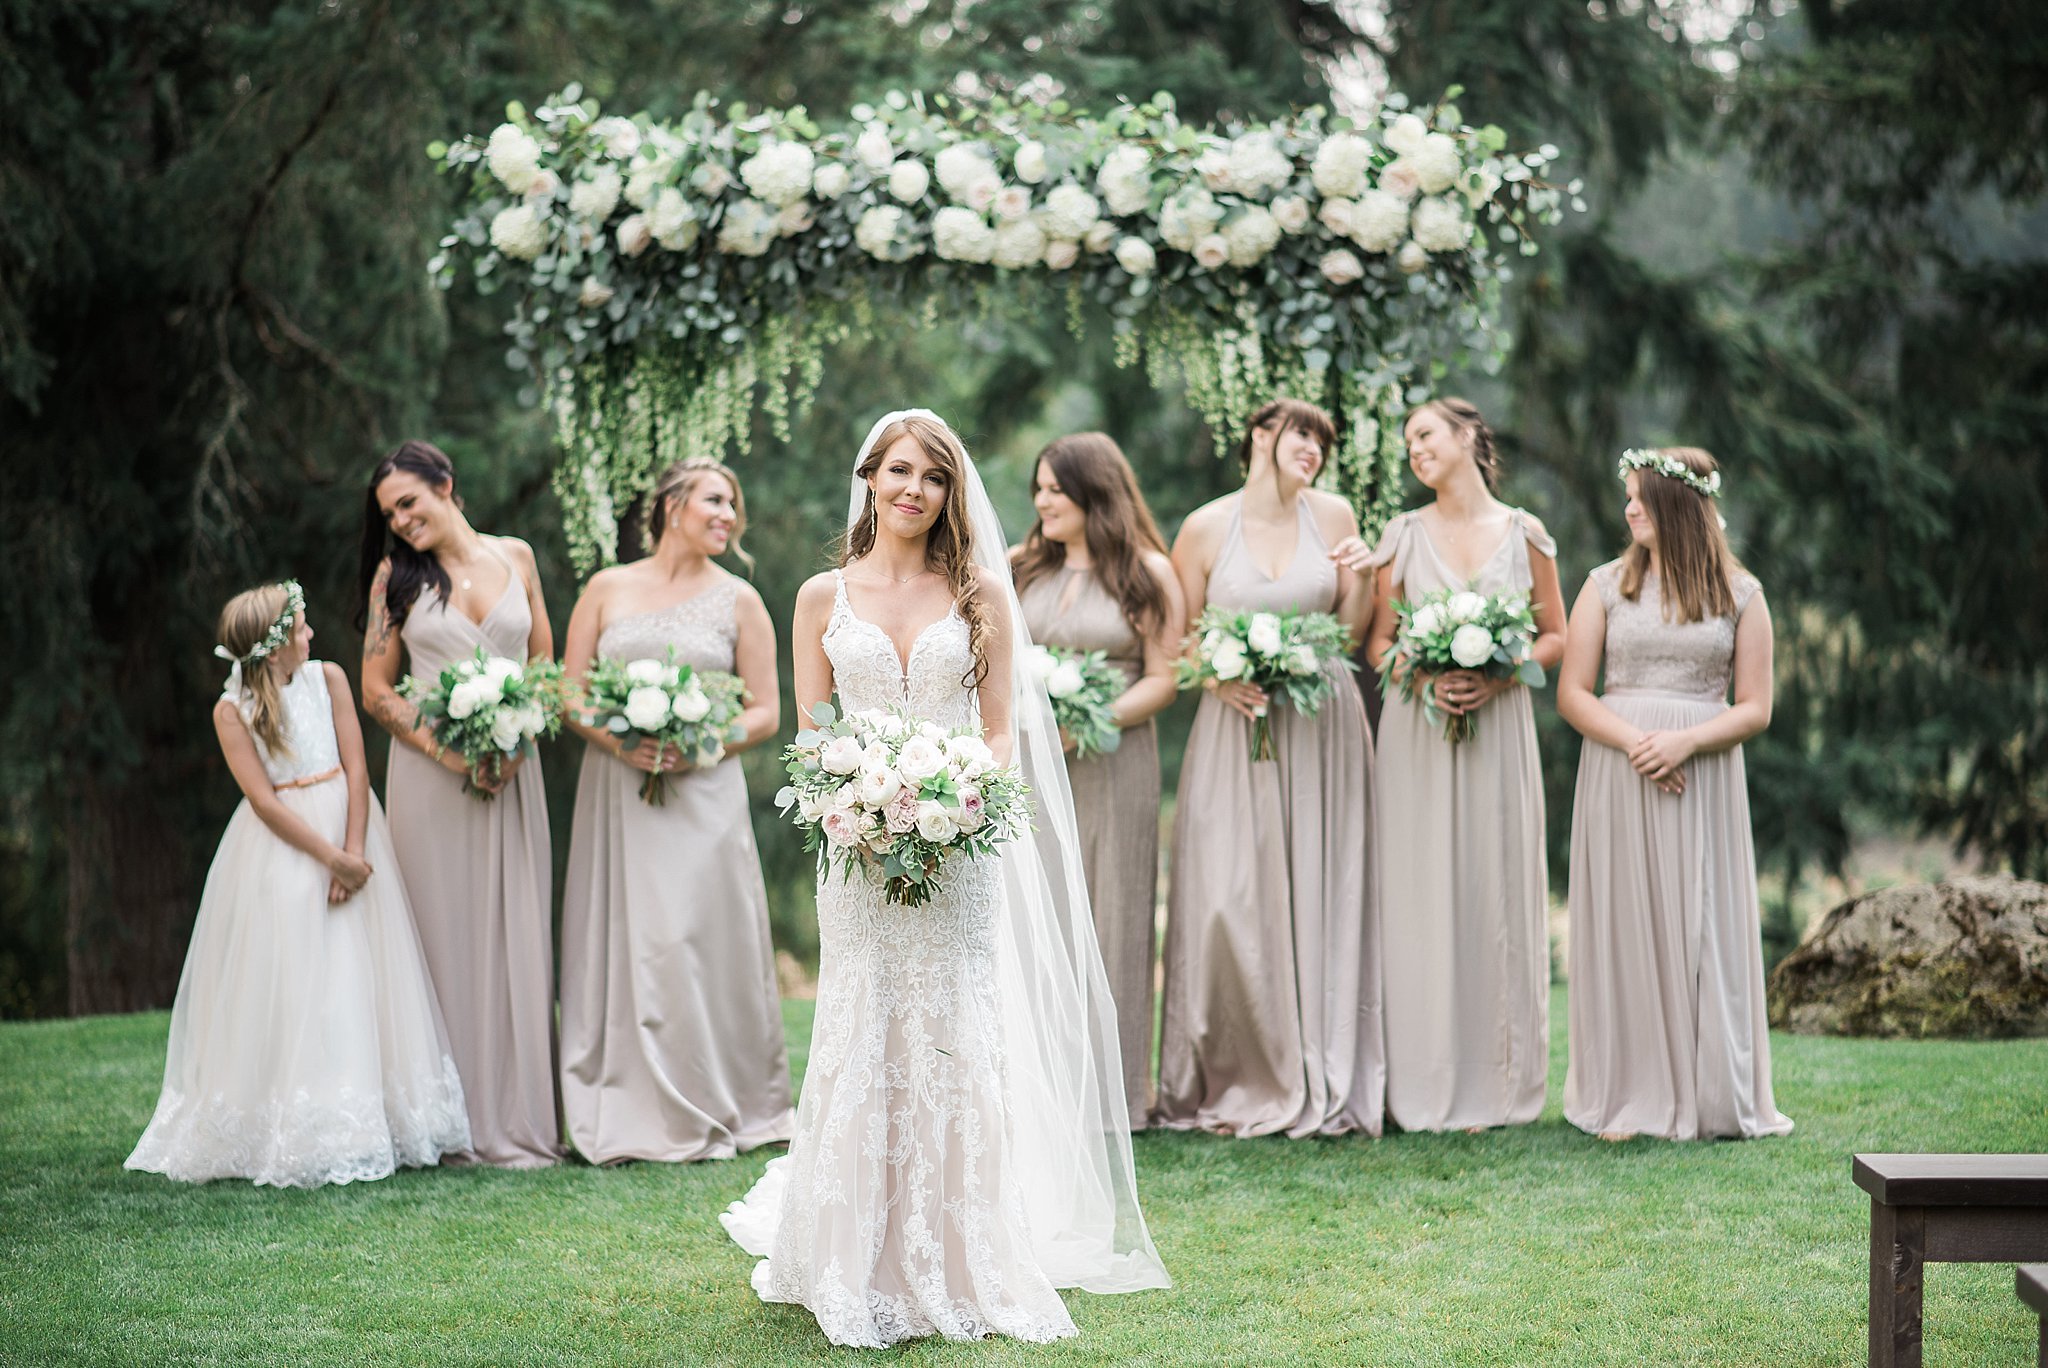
x: 1213, y: 166
x: 747, y: 228
x: 960, y: 234
x: 1341, y: 266
x: 1379, y: 221
x: 518, y: 232
x: 673, y: 220
x: 1071, y: 212
x: 1404, y: 135
x: 1258, y: 166
x: 1338, y: 167
x: 875, y: 233
x: 1061, y: 253
x: 646, y: 181
x: 619, y: 136
x: 514, y: 157
x: 874, y: 149
x: 1018, y: 244
x: 1188, y: 217
x: 958, y: 168
x: 1399, y: 177
x: 593, y: 200
x: 634, y: 234
x: 1101, y: 237
x: 1291, y: 212
x: 1136, y: 256
x: 780, y: 173
x: 1250, y: 236
x: 1437, y: 163
x: 830, y: 181
x: 794, y: 218
x: 1013, y: 202
x: 1211, y: 251
x: 595, y: 294
x: 1411, y: 258
x: 1440, y: 226
x: 1125, y: 179
x: 1030, y: 162
x: 908, y: 180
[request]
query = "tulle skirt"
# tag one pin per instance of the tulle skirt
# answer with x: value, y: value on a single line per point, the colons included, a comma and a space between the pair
x: 306, y: 1046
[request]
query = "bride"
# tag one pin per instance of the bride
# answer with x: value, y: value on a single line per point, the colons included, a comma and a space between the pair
x: 962, y: 1144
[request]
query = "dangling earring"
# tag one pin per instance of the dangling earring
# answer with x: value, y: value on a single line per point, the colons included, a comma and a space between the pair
x: 672, y: 524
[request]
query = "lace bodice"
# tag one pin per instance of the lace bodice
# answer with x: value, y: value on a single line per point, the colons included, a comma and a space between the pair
x: 868, y: 673
x: 702, y: 629
x: 1646, y: 650
x: 308, y: 727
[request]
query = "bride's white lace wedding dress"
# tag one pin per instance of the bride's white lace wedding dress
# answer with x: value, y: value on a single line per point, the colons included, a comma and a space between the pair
x: 898, y: 1212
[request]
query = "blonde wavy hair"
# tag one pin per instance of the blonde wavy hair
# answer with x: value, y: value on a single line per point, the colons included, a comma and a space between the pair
x: 245, y: 621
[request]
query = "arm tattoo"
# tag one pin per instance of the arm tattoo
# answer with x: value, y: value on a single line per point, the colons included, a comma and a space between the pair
x: 377, y: 639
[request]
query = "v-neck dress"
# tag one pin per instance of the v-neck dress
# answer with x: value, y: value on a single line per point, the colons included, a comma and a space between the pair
x: 480, y: 879
x: 1463, y: 896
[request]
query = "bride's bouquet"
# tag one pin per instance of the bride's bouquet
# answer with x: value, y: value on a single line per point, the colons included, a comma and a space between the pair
x: 1281, y: 653
x: 1461, y: 629
x: 662, y: 703
x: 488, y: 709
x: 1083, y: 686
x: 880, y: 789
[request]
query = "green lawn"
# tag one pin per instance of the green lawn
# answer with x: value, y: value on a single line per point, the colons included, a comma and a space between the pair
x: 1532, y: 1246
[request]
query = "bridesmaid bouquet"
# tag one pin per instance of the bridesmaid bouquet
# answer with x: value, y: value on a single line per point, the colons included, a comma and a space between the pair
x: 488, y: 709
x: 881, y: 788
x: 1282, y: 653
x: 1461, y: 629
x: 1083, y: 685
x: 693, y: 711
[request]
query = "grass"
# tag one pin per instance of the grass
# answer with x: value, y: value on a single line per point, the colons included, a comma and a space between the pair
x: 1532, y: 1246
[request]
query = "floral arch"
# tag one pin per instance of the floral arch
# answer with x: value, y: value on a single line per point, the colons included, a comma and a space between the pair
x: 670, y: 277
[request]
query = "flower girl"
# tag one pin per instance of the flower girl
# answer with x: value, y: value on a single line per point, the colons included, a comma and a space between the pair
x: 306, y: 1045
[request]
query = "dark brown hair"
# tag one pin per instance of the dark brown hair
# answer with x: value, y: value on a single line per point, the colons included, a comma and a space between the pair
x: 1463, y: 415
x: 680, y: 481
x: 1694, y: 563
x: 1287, y: 415
x: 1091, y: 470
x: 411, y: 570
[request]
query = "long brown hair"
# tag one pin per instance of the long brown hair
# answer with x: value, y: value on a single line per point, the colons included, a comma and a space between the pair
x: 1091, y: 470
x: 1695, y: 566
x: 246, y: 620
x: 680, y: 481
x: 949, y: 546
x: 411, y: 571
x: 1287, y: 415
x: 1463, y: 415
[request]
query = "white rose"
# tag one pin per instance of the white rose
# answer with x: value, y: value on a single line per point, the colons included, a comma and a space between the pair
x: 874, y: 149
x: 1411, y: 257
x: 1427, y: 620
x: 1042, y: 661
x: 1012, y: 203
x: 518, y: 232
x: 793, y: 218
x: 1071, y: 212
x: 1228, y: 661
x: 490, y: 691
x: 595, y: 294
x: 1125, y: 179
x: 920, y: 758
x: 960, y: 234
x: 1380, y: 221
x: 1250, y: 236
x: 1030, y: 162
x: 1405, y: 135
x: 886, y: 724
x: 971, y: 754
x: 932, y: 731
x: 830, y: 182
x: 1101, y: 237
x: 1302, y: 660
x: 532, y: 721
x: 1065, y: 681
x: 960, y: 166
x: 505, y: 731
x: 1337, y: 216
x: 502, y: 668
x: 1471, y: 645
x: 1136, y: 256
x: 646, y: 180
x: 462, y: 699
x: 982, y: 191
x: 1018, y: 245
x: 593, y: 200
x: 646, y: 708
x: 1187, y: 218
x: 1338, y: 168
x: 1466, y: 606
x: 671, y: 675
x: 780, y: 173
x: 934, y: 823
x: 1257, y: 165
x: 711, y: 179
x: 1213, y: 166
x: 841, y: 755
x: 1061, y: 253
x: 878, y: 784
x: 810, y: 806
x: 1437, y: 163
x: 1263, y: 635
x: 673, y: 220
x: 747, y: 228
x: 908, y: 180
x: 1341, y: 267
x: 875, y: 233
x: 545, y: 183
x: 1291, y: 212
x: 1399, y: 177
x: 514, y: 158
x: 466, y: 668
x: 1440, y: 225
x: 634, y: 234
x: 691, y: 705
x: 1211, y: 251
x: 620, y: 136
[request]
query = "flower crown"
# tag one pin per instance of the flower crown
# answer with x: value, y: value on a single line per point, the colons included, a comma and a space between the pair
x: 280, y: 631
x: 1671, y: 468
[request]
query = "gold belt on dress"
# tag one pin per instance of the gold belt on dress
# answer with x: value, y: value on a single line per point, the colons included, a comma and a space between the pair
x: 309, y: 780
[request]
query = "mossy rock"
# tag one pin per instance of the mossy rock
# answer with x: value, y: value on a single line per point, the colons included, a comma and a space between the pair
x: 1967, y: 958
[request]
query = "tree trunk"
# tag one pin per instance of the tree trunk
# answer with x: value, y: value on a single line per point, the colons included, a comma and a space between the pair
x: 130, y: 903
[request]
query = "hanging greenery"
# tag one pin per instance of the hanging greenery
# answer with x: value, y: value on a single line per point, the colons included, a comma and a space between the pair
x: 670, y: 277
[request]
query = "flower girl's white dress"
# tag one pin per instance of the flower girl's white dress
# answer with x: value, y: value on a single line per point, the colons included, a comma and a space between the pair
x: 306, y: 1044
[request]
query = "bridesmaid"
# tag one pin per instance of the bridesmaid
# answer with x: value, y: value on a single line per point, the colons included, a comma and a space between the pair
x: 1463, y: 911
x: 1272, y: 1018
x: 671, y: 1024
x: 433, y: 589
x: 1093, y: 576
x: 1668, y: 1032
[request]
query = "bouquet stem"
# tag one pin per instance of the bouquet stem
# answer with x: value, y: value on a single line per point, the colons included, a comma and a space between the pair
x: 1460, y: 727
x: 1262, y: 739
x: 654, y: 790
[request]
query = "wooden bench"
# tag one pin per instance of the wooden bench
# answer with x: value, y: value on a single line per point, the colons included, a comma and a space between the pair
x: 1943, y: 1208
x: 2033, y: 1286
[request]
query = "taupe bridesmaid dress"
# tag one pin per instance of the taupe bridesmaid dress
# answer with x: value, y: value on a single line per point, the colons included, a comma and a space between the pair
x: 1669, y: 1034
x: 1272, y: 1018
x: 1463, y: 906
x: 480, y: 879
x: 1116, y: 805
x: 671, y: 1024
